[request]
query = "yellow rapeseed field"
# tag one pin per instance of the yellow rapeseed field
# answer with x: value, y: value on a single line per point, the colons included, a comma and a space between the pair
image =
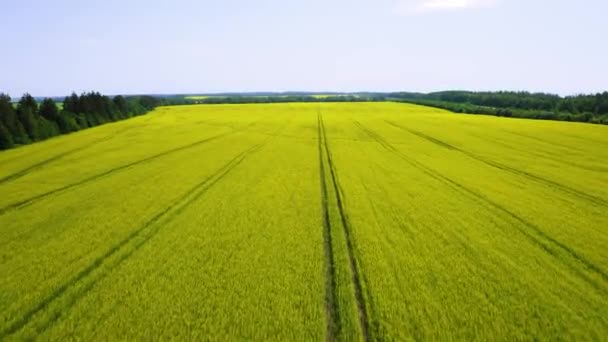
x: 307, y: 221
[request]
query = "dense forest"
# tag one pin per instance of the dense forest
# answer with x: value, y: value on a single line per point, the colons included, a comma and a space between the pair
x: 29, y: 121
x: 581, y: 108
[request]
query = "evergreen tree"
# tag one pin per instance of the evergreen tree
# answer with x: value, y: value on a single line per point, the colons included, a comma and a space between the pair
x: 47, y: 128
x: 27, y: 101
x: 5, y: 104
x: 6, y: 140
x: 49, y: 110
x: 121, y: 105
x: 72, y: 104
x: 8, y: 117
x: 67, y: 122
x: 27, y: 109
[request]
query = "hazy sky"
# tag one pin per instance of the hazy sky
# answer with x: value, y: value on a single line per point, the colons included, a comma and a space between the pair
x: 188, y: 46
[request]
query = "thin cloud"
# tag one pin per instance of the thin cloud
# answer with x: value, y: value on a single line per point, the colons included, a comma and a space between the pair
x: 425, y: 6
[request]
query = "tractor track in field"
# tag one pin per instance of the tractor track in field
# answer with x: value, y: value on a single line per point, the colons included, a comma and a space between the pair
x: 59, y: 156
x: 143, y: 233
x: 538, y: 237
x: 333, y: 319
x: 541, y: 155
x: 34, y: 199
x: 546, y: 142
x: 564, y: 188
x: 347, y: 231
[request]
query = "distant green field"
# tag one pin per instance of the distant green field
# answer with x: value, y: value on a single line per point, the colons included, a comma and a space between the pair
x: 324, y: 96
x: 319, y: 221
x: 59, y: 105
x: 196, y: 97
x: 317, y: 96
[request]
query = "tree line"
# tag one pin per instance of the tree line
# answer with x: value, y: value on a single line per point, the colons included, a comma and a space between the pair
x: 580, y: 108
x: 28, y: 121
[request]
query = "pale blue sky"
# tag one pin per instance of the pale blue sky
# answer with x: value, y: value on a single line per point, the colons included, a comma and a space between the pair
x: 187, y: 46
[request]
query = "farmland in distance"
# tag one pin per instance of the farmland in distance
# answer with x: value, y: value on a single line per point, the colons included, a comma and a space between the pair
x: 317, y: 221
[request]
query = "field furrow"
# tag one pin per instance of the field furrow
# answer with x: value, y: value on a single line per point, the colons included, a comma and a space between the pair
x: 59, y: 156
x: 534, y: 233
x: 331, y: 300
x: 31, y: 200
x: 350, y: 248
x: 500, y: 166
x: 118, y: 252
x: 338, y: 225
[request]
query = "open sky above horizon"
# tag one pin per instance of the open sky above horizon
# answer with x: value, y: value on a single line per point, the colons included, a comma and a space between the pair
x: 51, y: 48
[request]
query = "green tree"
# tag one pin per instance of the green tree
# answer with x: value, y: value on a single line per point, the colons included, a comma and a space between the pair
x: 121, y: 105
x: 8, y: 117
x: 6, y: 140
x: 5, y: 104
x: 27, y: 109
x: 28, y: 101
x: 67, y: 122
x: 47, y: 128
x: 49, y: 110
x: 72, y: 104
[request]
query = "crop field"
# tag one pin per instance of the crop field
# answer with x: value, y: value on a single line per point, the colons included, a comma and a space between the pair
x: 324, y: 96
x: 340, y: 222
x: 316, y: 96
x: 196, y: 97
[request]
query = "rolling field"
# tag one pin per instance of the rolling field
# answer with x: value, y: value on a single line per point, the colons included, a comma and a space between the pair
x: 196, y: 97
x: 350, y: 221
